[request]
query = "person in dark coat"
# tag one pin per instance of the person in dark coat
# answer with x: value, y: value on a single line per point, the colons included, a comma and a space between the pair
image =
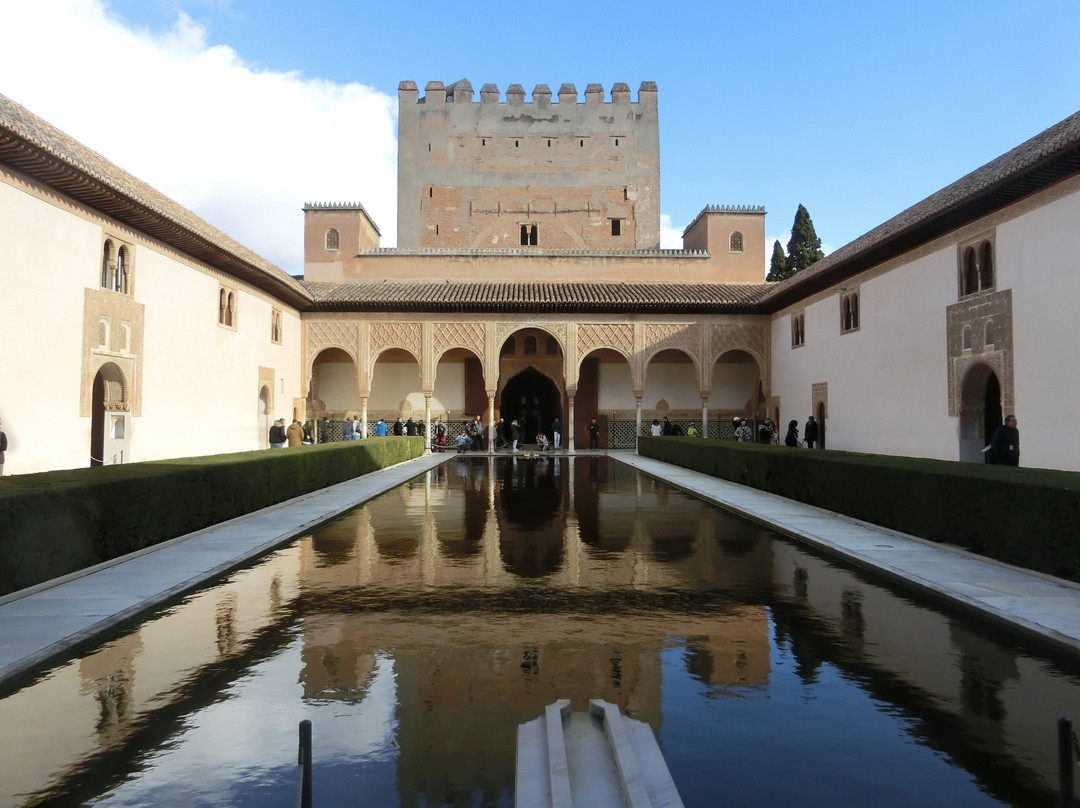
x: 792, y: 436
x: 399, y: 428
x: 1006, y: 443
x: 324, y: 429
x: 810, y: 433
x: 277, y: 434
x: 410, y: 428
x: 594, y: 434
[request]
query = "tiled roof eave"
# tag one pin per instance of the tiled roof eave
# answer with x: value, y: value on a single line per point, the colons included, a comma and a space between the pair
x: 518, y: 307
x: 84, y: 187
x: 896, y: 236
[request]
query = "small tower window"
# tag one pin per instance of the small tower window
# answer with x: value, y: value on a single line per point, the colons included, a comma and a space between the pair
x: 333, y: 239
x: 735, y: 243
x: 616, y: 227
x: 528, y: 235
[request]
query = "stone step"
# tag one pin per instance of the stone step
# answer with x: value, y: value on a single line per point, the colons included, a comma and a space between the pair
x: 598, y: 759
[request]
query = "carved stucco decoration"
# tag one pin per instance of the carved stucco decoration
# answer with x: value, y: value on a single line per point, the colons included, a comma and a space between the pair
x: 447, y: 336
x: 409, y: 336
x: 988, y: 320
x: 331, y: 334
x: 752, y: 338
x: 616, y: 336
x: 684, y: 336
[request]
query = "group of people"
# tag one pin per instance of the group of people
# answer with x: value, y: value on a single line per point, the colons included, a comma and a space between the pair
x: 767, y: 432
x: 295, y: 435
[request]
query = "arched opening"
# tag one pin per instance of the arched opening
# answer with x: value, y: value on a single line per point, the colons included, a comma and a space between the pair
x: 672, y: 390
x: 971, y: 272
x: 333, y: 390
x: 531, y: 387
x: 395, y: 389
x: 264, y: 417
x: 980, y: 412
x: 533, y: 400
x: 458, y: 393
x: 986, y: 266
x: 736, y: 379
x: 606, y: 392
x: 108, y: 417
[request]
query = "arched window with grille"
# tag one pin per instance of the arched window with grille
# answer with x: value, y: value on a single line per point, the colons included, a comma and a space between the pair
x: 735, y: 243
x: 333, y: 239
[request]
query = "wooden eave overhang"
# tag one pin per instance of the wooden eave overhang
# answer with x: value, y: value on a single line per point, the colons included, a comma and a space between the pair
x: 141, y: 208
x: 534, y: 298
x: 1040, y: 162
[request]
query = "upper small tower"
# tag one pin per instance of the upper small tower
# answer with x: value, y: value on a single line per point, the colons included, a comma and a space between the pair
x: 517, y: 173
x: 334, y: 233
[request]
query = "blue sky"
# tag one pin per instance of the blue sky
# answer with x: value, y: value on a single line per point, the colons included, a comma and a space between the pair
x: 245, y: 109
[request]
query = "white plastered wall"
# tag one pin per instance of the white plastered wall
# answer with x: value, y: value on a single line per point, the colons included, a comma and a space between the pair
x: 47, y: 258
x: 887, y: 382
x: 1038, y: 257
x: 199, y: 382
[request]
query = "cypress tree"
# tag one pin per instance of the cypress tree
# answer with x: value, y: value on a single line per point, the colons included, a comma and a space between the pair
x: 778, y: 266
x: 805, y: 246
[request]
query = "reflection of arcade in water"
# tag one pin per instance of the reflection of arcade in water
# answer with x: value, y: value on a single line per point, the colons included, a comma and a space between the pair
x: 477, y: 648
x: 459, y: 605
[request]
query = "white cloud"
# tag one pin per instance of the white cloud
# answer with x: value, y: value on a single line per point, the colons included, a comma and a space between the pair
x: 243, y: 148
x: 670, y: 237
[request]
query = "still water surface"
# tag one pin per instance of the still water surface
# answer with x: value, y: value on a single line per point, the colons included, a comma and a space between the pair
x: 419, y: 630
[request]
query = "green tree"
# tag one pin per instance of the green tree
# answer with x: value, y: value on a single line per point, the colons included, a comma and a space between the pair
x: 804, y: 248
x: 778, y: 266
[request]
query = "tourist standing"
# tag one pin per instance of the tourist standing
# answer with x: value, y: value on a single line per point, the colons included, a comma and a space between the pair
x: 410, y: 428
x: 556, y: 433
x: 657, y: 429
x: 324, y: 430
x: 743, y: 433
x: 277, y: 434
x: 594, y: 434
x: 1005, y: 444
x: 294, y: 434
x: 3, y: 448
x: 515, y: 434
x: 810, y: 432
x: 347, y: 428
x: 399, y: 428
x: 792, y: 437
x: 766, y: 432
x: 691, y: 431
x: 381, y: 429
x: 476, y: 434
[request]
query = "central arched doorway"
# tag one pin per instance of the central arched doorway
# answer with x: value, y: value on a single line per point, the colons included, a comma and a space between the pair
x: 980, y: 412
x: 533, y: 400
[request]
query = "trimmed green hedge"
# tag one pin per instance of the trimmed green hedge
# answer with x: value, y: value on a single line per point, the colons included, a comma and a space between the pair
x: 1026, y: 517
x: 59, y: 522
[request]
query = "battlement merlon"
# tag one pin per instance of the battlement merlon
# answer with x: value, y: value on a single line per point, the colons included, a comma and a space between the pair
x: 461, y: 92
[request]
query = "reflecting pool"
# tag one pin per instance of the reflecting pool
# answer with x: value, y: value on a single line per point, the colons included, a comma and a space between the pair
x: 419, y: 630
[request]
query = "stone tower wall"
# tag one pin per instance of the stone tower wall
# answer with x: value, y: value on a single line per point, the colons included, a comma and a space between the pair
x: 483, y: 174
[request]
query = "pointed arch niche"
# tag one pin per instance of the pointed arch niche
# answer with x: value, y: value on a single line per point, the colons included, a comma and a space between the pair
x: 333, y: 389
x: 606, y: 391
x: 736, y: 380
x: 396, y: 391
x: 672, y: 388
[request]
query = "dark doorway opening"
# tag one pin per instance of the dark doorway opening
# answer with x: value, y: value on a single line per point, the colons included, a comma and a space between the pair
x: 97, y: 422
x: 992, y: 415
x: 534, y: 400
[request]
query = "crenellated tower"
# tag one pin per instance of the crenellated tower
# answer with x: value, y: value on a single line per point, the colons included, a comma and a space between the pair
x: 548, y: 173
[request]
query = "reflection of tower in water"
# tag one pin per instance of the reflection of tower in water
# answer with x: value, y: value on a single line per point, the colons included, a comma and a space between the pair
x: 502, y: 590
